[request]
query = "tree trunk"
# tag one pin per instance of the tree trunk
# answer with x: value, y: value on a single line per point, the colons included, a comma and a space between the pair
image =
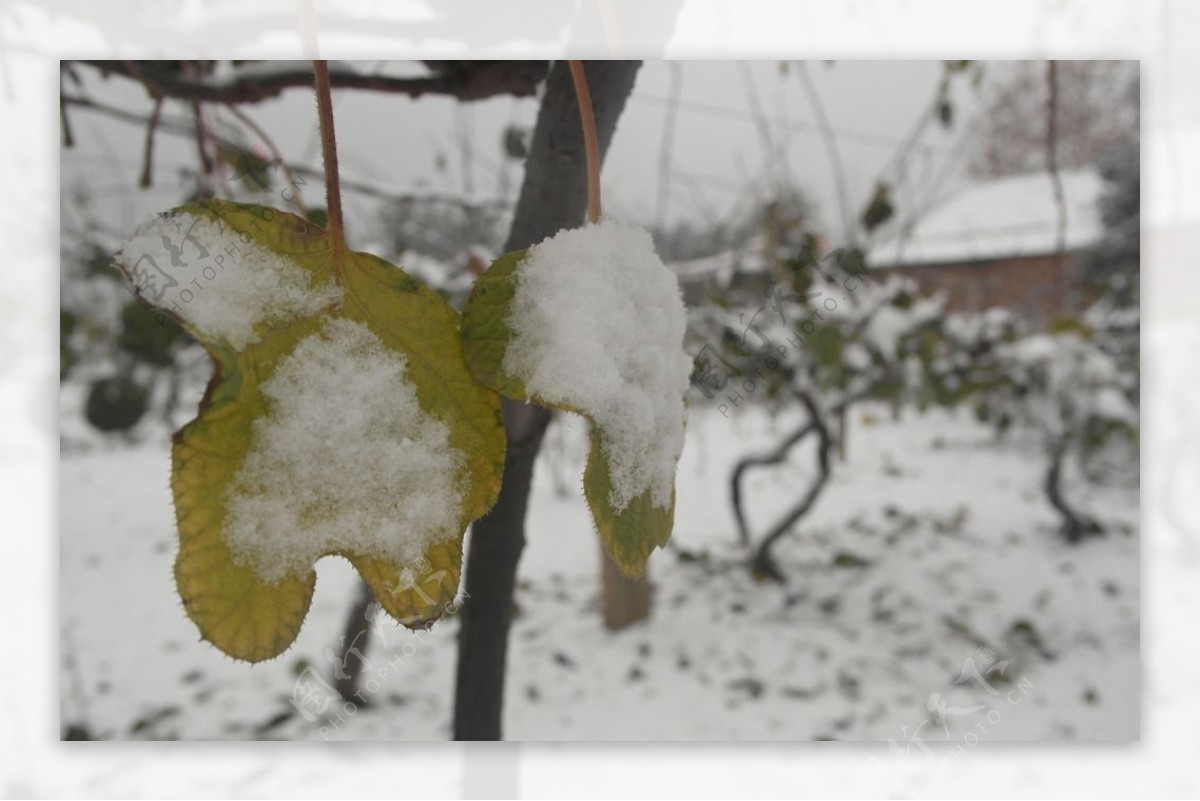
x: 1076, y: 526
x: 626, y: 600
x: 356, y: 636
x: 553, y: 197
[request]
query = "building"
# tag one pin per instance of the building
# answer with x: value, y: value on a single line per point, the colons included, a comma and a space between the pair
x: 996, y: 243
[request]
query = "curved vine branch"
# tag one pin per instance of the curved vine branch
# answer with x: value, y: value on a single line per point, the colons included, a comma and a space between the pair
x: 763, y: 564
x: 775, y: 456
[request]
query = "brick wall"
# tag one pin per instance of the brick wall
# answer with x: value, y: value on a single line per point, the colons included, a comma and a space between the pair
x: 1036, y: 288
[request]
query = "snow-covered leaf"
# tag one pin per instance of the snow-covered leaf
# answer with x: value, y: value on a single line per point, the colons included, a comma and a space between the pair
x: 590, y: 321
x: 341, y: 420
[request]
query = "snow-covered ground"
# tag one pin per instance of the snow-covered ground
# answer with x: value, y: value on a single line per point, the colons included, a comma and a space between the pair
x: 928, y: 599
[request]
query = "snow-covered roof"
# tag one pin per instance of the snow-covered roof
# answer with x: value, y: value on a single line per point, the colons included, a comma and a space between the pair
x: 1003, y: 218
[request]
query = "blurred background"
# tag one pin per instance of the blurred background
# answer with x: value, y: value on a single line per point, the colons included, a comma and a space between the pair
x: 908, y: 504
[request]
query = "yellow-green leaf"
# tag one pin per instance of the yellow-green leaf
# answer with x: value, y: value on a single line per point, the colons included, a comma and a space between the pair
x: 630, y: 534
x: 235, y: 601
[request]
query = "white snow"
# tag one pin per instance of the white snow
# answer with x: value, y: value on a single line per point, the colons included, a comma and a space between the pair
x: 988, y: 326
x: 219, y: 282
x: 887, y: 326
x: 849, y: 653
x: 1002, y: 218
x: 1109, y: 404
x: 344, y: 459
x: 598, y: 325
x: 1034, y: 349
x: 856, y: 357
x: 1077, y: 382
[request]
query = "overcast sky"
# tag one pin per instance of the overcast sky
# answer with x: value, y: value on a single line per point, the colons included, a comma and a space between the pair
x: 719, y: 155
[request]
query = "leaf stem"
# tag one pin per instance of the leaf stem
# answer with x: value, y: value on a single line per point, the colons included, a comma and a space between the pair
x: 590, y: 145
x: 333, y: 190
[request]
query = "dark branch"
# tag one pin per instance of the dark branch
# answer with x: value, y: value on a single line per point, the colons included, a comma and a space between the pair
x: 148, y: 150
x: 779, y: 453
x: 776, y: 456
x: 1076, y: 526
x: 68, y: 139
x: 464, y: 80
x: 764, y: 564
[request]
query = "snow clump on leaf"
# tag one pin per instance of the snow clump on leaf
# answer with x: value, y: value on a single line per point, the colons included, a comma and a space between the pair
x: 343, y: 460
x: 218, y: 282
x: 597, y: 325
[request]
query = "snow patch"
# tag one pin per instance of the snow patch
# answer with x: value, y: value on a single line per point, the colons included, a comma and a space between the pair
x: 1109, y: 404
x: 1080, y: 381
x: 1035, y: 349
x: 218, y: 281
x: 344, y: 459
x: 597, y: 324
x: 886, y: 327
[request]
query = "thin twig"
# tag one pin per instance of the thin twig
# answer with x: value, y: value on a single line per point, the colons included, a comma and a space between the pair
x: 900, y: 155
x: 462, y: 131
x: 831, y: 147
x: 68, y: 140
x: 184, y: 128
x: 203, y: 140
x: 333, y: 193
x: 148, y: 152
x: 147, y: 177
x: 287, y: 170
x: 1060, y: 201
x: 665, y: 150
x: 773, y: 160
x: 206, y: 164
x: 588, y: 120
